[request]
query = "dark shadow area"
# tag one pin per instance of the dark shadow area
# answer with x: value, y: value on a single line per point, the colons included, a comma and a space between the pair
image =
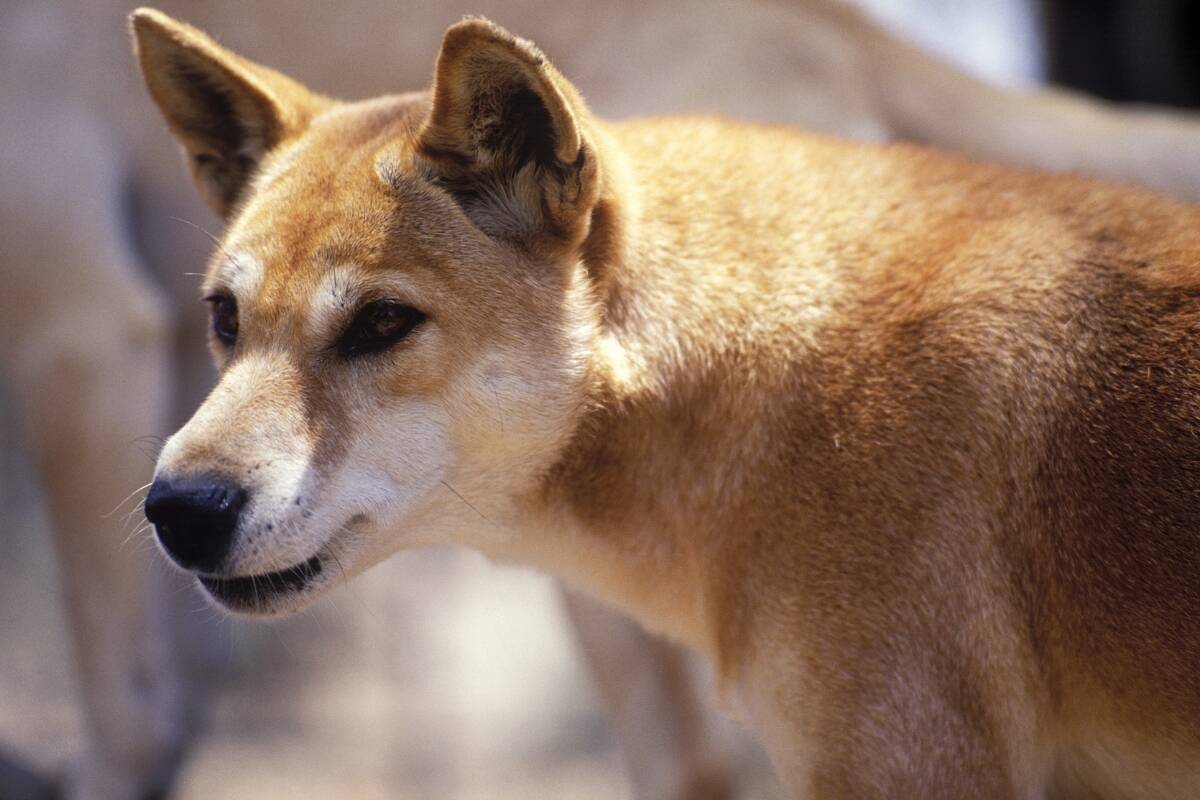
x: 1143, y: 51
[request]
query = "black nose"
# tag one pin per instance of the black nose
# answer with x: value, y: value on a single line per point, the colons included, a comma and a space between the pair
x: 195, y: 519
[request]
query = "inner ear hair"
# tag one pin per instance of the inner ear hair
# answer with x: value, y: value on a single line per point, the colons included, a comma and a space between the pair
x: 222, y: 119
x: 226, y: 111
x: 508, y: 121
x: 504, y: 136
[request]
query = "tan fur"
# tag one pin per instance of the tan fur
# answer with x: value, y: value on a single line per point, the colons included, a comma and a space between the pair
x: 904, y: 443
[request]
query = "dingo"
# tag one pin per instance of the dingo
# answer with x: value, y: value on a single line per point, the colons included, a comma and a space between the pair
x: 910, y: 447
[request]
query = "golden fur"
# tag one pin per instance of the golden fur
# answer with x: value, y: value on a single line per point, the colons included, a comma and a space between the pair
x: 906, y: 444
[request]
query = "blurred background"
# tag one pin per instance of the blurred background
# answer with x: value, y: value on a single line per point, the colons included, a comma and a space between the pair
x: 437, y: 675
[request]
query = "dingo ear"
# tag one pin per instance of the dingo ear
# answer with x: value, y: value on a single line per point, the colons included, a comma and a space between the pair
x: 227, y: 111
x: 507, y: 136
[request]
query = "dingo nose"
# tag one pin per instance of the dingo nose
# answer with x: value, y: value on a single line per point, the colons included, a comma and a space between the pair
x: 195, y: 519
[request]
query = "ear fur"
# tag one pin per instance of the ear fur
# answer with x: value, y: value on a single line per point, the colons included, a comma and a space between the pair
x: 507, y: 135
x: 226, y: 111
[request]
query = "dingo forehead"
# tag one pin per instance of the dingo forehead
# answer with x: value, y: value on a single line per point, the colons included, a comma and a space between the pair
x: 340, y: 207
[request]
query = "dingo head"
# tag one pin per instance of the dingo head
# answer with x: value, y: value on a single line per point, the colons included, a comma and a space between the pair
x: 401, y: 308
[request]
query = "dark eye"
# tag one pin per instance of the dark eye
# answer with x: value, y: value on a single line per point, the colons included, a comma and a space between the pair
x: 378, y: 326
x: 224, y: 317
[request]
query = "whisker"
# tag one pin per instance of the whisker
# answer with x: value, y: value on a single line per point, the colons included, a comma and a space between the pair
x: 202, y: 229
x: 310, y: 612
x: 215, y: 240
x: 283, y: 641
x: 183, y: 587
x: 126, y: 500
x: 254, y: 590
x: 137, y: 531
x: 149, y: 446
x: 151, y: 437
x: 468, y: 503
x: 140, y: 508
x: 338, y: 561
x: 351, y: 587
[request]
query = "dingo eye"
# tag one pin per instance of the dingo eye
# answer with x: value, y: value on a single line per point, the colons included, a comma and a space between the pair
x: 224, y: 317
x: 378, y: 326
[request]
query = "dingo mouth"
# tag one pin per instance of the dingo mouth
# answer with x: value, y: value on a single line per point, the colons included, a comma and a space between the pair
x: 257, y: 593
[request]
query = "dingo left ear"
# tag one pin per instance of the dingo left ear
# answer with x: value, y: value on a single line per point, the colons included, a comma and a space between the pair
x: 227, y: 111
x: 507, y: 136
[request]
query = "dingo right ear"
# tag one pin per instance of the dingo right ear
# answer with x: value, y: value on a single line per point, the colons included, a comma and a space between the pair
x: 227, y: 111
x: 507, y: 136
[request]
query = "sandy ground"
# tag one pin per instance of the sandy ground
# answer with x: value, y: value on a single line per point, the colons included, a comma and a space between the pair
x: 436, y: 675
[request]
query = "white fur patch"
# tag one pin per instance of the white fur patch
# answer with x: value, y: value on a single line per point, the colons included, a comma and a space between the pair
x: 397, y: 459
x: 342, y: 289
x: 241, y: 273
x: 335, y: 298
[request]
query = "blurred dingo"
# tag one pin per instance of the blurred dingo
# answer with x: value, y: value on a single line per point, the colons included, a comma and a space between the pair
x: 909, y: 446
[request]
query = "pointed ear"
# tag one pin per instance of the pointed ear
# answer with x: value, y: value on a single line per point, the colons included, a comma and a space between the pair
x: 226, y: 111
x: 509, y: 137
